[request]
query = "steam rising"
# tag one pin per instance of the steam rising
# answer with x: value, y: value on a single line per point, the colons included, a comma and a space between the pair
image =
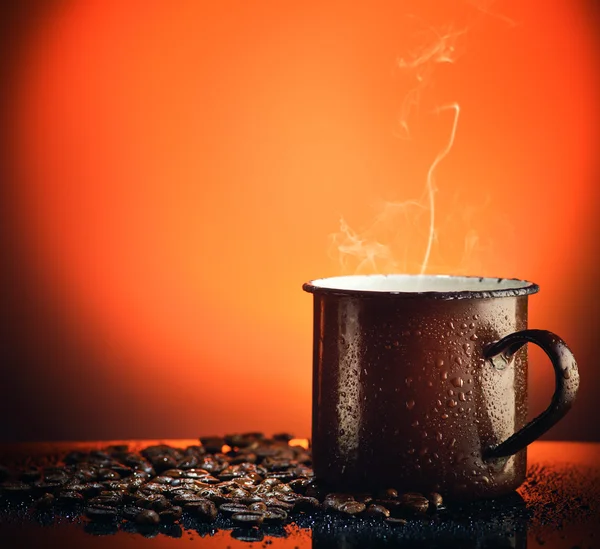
x: 430, y: 182
x: 365, y: 247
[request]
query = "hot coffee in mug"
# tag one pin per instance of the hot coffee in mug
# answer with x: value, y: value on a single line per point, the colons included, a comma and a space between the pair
x: 420, y: 383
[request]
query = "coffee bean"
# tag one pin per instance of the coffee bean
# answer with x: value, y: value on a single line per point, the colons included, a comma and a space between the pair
x: 188, y: 462
x: 91, y: 489
x: 414, y: 502
x: 252, y: 498
x: 389, y: 493
x: 258, y: 480
x: 352, y: 507
x: 101, y: 513
x: 378, y: 511
x: 147, y: 516
x: 274, y: 514
x: 242, y: 458
x: 305, y: 503
x: 299, y: 485
x: 247, y: 481
x: 69, y: 497
x: 122, y: 470
x: 207, y: 511
x: 282, y: 476
x: 173, y: 473
x: 395, y: 521
x: 156, y: 502
x: 171, y: 515
x: 194, y: 473
x: 239, y: 493
x: 187, y: 497
x: 208, y: 479
x: 283, y: 437
x: 151, y: 487
x: 162, y: 479
x: 213, y: 494
x: 162, y: 463
x: 232, y: 508
x: 117, y: 486
x: 248, y: 518
x: 436, y: 501
x: 335, y: 500
x: 108, y: 474
x: 238, y: 440
x: 56, y: 477
x: 274, y: 502
x: 212, y: 444
x: 131, y: 511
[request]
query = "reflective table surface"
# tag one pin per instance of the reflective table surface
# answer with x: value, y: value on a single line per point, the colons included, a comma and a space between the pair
x: 558, y: 506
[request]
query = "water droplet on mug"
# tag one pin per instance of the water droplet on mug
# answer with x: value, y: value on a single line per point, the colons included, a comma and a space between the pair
x: 475, y: 317
x: 423, y: 451
x: 452, y: 403
x: 458, y: 360
x: 438, y: 402
x: 474, y: 337
x: 463, y: 326
x: 439, y: 362
x: 457, y: 381
x: 462, y: 397
x: 408, y: 381
x: 410, y: 404
x: 450, y: 392
x: 439, y: 436
x: 444, y: 375
x: 444, y: 416
x: 472, y: 325
x: 410, y: 451
x: 415, y: 423
x: 417, y: 333
x: 451, y: 324
x: 566, y: 373
x: 452, y: 443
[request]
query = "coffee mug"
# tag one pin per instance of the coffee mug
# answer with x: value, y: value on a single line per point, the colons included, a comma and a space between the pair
x: 420, y: 383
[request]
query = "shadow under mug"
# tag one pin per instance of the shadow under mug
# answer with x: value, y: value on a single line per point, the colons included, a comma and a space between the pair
x: 420, y: 383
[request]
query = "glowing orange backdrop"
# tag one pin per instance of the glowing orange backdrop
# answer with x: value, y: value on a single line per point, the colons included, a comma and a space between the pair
x: 184, y: 164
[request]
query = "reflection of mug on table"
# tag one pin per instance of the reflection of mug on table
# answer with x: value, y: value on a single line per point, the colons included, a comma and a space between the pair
x: 420, y: 383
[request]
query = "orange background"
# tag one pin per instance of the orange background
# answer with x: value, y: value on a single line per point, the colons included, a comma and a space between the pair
x: 179, y: 168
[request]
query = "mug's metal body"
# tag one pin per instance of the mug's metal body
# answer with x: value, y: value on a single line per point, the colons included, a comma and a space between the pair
x: 404, y: 395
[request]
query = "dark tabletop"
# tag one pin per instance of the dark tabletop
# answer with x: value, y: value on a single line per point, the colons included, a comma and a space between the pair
x: 558, y: 506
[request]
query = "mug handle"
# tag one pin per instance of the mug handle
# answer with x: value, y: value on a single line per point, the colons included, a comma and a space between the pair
x: 567, y: 383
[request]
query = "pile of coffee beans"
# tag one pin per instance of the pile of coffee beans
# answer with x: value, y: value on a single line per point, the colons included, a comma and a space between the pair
x: 247, y: 479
